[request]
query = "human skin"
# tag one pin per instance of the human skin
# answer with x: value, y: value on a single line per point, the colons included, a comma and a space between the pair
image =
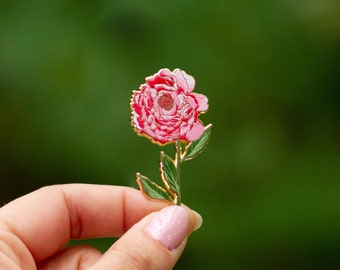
x: 35, y: 228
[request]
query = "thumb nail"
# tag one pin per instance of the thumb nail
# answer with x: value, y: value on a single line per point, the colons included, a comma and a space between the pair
x: 170, y: 226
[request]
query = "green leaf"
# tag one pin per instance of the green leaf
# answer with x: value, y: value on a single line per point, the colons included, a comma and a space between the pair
x: 168, y: 173
x: 151, y: 189
x: 193, y: 149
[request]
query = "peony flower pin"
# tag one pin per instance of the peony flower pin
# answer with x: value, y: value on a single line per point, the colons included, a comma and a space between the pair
x: 165, y: 110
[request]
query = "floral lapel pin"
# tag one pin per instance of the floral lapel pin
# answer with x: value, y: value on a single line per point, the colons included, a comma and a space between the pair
x: 165, y: 110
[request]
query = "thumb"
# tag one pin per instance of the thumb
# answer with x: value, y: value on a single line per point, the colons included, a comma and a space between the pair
x: 155, y: 242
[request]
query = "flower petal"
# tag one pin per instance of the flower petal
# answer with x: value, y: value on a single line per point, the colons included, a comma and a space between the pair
x: 160, y: 77
x: 164, y: 72
x: 196, y: 132
x: 184, y: 81
x: 202, y: 101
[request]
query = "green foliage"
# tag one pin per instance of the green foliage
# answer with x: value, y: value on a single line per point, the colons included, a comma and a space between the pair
x: 193, y: 149
x: 168, y: 172
x: 151, y: 189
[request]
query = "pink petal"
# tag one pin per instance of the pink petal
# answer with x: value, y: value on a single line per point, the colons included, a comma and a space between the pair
x: 164, y: 72
x: 184, y: 81
x: 191, y: 82
x: 196, y: 132
x: 158, y: 78
x: 202, y: 101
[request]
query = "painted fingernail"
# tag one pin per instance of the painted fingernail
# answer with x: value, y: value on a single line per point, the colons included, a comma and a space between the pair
x: 170, y: 226
x: 197, y: 220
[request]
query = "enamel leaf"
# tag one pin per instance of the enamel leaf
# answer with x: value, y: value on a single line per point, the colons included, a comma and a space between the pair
x: 193, y: 149
x: 168, y: 173
x: 151, y: 189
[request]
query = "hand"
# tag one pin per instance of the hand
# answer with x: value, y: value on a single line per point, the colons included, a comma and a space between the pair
x: 35, y: 228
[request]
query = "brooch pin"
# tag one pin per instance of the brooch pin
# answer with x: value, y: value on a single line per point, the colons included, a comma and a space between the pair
x: 165, y: 110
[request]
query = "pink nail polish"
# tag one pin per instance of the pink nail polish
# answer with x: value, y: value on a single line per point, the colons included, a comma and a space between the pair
x: 170, y: 226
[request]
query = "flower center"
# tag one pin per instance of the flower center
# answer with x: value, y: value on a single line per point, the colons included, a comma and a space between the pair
x: 166, y: 102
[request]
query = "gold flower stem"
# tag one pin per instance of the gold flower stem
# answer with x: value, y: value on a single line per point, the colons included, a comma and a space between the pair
x: 178, y: 170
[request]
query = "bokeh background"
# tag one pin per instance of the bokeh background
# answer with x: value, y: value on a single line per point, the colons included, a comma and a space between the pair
x: 268, y: 185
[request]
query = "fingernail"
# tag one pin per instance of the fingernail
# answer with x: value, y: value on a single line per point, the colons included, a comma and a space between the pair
x: 197, y: 220
x: 170, y: 226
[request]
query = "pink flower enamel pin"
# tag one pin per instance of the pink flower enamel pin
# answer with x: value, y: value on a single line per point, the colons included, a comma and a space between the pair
x: 165, y: 110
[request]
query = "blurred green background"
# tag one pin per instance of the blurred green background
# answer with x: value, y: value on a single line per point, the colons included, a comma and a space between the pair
x: 267, y: 186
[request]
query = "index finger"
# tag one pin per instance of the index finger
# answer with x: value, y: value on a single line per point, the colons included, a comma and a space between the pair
x: 45, y: 220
